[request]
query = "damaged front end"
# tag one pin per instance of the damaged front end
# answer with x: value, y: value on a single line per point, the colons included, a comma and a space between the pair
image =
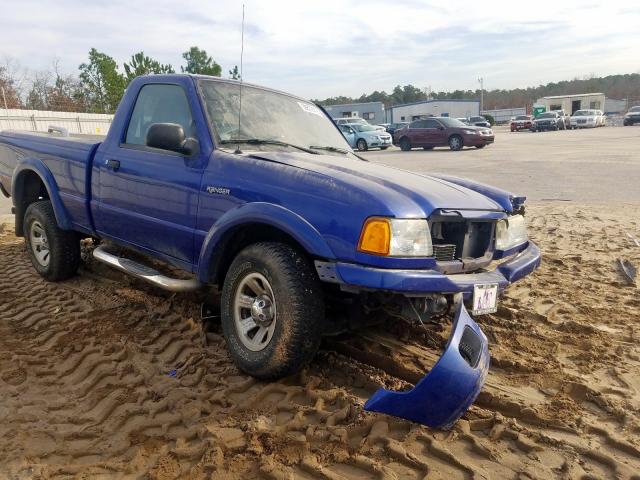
x: 449, y: 389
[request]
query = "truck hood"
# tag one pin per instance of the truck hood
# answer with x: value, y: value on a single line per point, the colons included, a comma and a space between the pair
x: 406, y: 194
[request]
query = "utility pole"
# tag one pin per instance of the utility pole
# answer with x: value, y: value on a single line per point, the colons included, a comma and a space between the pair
x: 481, y: 80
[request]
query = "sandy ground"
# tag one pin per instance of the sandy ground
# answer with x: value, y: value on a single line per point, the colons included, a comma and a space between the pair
x: 104, y: 377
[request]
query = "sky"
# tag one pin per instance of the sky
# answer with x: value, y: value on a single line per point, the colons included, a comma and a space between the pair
x: 350, y: 47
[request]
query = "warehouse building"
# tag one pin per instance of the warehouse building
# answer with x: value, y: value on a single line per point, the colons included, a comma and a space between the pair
x: 573, y: 103
x: 504, y: 115
x: 433, y: 108
x: 372, y: 112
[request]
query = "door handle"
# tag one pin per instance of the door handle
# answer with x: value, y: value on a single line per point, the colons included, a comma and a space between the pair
x: 113, y: 164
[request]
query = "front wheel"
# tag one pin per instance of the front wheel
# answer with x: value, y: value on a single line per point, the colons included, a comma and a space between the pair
x: 272, y: 310
x: 54, y: 253
x: 455, y: 142
x: 405, y: 144
x: 362, y: 145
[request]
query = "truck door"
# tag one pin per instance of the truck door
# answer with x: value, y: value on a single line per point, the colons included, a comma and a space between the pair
x: 148, y: 197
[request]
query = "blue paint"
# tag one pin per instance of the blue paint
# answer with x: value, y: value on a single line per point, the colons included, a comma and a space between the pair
x: 447, y: 391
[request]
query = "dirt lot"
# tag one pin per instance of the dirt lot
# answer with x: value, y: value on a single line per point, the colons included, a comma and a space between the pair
x: 102, y: 376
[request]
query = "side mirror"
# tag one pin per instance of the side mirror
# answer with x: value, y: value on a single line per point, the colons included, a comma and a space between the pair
x: 170, y: 136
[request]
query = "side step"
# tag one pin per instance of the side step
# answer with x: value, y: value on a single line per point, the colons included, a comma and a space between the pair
x: 143, y: 272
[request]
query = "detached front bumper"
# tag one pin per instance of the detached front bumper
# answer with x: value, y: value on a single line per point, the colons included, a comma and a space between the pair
x: 449, y: 389
x: 432, y: 281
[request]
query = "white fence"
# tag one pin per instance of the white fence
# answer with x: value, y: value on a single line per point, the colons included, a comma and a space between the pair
x: 40, y: 120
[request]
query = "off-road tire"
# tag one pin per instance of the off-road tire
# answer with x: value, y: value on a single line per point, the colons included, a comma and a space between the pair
x: 361, y: 145
x: 64, y: 245
x: 405, y: 144
x: 452, y: 145
x: 299, y: 310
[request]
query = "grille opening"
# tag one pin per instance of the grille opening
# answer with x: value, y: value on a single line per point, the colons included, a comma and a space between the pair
x: 461, y: 239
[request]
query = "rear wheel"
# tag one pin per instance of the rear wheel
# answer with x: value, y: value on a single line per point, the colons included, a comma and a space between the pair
x: 272, y: 310
x: 362, y: 145
x: 455, y: 142
x: 54, y: 253
x: 405, y: 144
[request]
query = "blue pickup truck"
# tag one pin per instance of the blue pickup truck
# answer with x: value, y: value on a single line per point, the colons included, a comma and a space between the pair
x: 257, y: 192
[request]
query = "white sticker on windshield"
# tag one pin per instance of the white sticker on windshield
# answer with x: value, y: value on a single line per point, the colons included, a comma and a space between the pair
x: 309, y: 108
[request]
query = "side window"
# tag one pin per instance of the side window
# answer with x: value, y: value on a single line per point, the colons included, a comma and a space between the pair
x: 431, y: 124
x: 159, y: 104
x: 417, y: 124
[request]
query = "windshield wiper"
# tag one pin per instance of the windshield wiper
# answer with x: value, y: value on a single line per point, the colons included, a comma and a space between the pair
x: 330, y: 149
x: 259, y: 141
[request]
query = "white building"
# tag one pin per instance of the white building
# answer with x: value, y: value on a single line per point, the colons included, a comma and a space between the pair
x: 504, y: 115
x: 433, y: 108
x: 573, y: 103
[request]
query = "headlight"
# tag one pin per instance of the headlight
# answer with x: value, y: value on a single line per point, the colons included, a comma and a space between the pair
x: 511, y: 232
x: 471, y: 132
x: 394, y: 237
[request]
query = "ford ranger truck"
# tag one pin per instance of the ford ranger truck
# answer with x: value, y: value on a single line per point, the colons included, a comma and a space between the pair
x: 257, y: 192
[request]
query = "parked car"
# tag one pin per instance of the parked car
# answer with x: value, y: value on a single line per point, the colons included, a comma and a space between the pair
x: 479, y: 121
x: 548, y: 121
x: 632, y: 116
x: 602, y: 120
x: 564, y: 119
x: 273, y: 206
x: 440, y: 132
x: 586, y: 119
x: 464, y: 120
x: 395, y: 126
x: 364, y: 137
x: 521, y: 122
x: 361, y: 121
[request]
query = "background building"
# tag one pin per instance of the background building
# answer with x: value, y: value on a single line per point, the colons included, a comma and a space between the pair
x: 372, y: 112
x: 504, y: 115
x: 573, y: 103
x: 433, y: 108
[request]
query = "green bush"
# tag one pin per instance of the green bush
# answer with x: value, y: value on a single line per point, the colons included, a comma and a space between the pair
x: 490, y: 119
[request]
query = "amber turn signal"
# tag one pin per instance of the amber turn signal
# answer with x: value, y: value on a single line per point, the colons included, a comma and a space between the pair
x: 376, y: 236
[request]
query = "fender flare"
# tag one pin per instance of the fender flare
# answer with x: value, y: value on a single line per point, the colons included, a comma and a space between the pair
x: 258, y: 212
x: 40, y: 169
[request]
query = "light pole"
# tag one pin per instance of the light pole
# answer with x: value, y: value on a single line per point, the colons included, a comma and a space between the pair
x: 481, y: 80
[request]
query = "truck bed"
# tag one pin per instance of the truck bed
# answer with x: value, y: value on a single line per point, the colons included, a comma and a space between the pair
x: 66, y: 161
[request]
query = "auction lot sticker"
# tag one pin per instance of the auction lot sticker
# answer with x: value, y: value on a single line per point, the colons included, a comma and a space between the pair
x: 485, y: 298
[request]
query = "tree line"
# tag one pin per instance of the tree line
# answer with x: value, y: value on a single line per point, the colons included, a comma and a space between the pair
x: 619, y: 87
x: 99, y: 85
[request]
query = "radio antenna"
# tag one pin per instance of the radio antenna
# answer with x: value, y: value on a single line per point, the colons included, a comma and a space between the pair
x: 240, y: 106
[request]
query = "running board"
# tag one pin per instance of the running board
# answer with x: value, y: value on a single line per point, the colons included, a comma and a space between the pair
x: 145, y: 273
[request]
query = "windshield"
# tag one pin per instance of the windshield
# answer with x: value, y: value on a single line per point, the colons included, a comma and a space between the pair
x: 548, y: 115
x: 581, y: 113
x: 267, y: 115
x: 451, y: 122
x: 363, y: 128
x: 522, y: 117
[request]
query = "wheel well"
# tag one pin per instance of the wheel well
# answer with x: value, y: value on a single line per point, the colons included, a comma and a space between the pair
x: 29, y: 188
x: 240, y: 237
